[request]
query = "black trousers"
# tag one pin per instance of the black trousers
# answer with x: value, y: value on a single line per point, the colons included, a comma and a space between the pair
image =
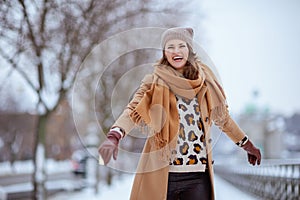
x: 189, y: 186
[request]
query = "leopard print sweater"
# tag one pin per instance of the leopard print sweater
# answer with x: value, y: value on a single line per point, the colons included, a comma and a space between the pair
x: 190, y: 154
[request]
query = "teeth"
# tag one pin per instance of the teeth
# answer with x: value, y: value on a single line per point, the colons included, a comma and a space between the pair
x: 177, y: 57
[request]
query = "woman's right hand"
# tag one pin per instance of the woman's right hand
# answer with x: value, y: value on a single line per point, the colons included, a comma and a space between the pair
x: 110, y: 146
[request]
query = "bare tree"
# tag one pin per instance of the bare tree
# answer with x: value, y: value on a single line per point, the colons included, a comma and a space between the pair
x: 46, y: 41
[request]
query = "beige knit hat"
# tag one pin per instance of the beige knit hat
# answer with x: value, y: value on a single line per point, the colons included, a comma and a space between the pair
x: 185, y: 34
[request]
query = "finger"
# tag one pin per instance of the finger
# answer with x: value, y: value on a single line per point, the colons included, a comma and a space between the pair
x: 100, y: 150
x: 258, y: 158
x: 106, y: 155
x: 103, y: 154
x: 251, y: 159
x: 258, y: 161
x: 103, y: 151
x: 115, y: 153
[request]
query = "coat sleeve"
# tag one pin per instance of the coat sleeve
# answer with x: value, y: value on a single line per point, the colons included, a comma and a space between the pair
x: 124, y: 121
x: 225, y: 122
x: 230, y: 127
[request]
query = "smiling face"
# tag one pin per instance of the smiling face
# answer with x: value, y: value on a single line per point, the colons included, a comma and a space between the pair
x: 177, y: 52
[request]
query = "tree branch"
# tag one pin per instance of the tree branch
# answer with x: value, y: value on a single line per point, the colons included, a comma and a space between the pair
x: 37, y: 47
x: 15, y: 66
x: 29, y: 26
x: 23, y: 74
x: 43, y: 20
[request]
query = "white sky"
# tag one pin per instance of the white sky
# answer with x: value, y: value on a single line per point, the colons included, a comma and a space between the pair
x: 255, y: 45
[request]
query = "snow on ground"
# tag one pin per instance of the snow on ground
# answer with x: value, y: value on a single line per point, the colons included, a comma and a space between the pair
x: 226, y: 191
x: 66, y: 185
x: 25, y: 167
x: 121, y: 187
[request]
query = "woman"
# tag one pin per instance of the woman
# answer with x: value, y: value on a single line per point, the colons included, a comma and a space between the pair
x: 178, y: 102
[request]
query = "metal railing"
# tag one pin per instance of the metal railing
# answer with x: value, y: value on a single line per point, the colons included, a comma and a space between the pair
x: 273, y: 180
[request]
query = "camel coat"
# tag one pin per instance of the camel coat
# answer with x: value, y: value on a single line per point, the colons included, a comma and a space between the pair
x: 151, y: 179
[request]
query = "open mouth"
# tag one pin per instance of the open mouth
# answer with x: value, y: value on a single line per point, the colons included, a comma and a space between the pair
x: 177, y: 58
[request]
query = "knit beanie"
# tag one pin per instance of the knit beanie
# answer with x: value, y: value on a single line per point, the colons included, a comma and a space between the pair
x: 185, y: 34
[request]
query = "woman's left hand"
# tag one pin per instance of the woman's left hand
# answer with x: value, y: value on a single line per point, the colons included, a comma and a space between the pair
x: 254, y: 155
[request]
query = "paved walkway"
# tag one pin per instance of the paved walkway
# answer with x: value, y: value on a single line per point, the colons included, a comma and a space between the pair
x: 225, y: 190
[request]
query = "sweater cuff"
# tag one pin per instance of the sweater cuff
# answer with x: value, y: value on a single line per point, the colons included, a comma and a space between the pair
x: 243, y: 141
x: 118, y: 130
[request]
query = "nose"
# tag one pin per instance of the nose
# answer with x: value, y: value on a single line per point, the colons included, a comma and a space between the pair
x: 176, y: 50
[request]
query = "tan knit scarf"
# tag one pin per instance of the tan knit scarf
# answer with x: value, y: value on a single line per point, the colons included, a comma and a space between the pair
x: 157, y: 109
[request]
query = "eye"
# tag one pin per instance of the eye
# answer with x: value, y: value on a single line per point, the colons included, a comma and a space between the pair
x: 170, y: 47
x: 182, y: 46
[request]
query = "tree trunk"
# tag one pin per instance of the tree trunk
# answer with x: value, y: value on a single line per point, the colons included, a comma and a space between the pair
x: 39, y: 173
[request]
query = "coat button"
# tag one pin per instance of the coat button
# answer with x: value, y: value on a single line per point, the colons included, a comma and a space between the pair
x: 206, y: 119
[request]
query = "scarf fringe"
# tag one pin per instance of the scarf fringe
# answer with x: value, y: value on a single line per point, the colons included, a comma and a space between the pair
x: 146, y: 128
x: 159, y: 141
x: 161, y: 145
x: 136, y: 117
x: 219, y: 113
x: 156, y: 141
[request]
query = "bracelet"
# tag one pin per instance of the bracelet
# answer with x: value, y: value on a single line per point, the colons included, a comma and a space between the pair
x: 243, y: 141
